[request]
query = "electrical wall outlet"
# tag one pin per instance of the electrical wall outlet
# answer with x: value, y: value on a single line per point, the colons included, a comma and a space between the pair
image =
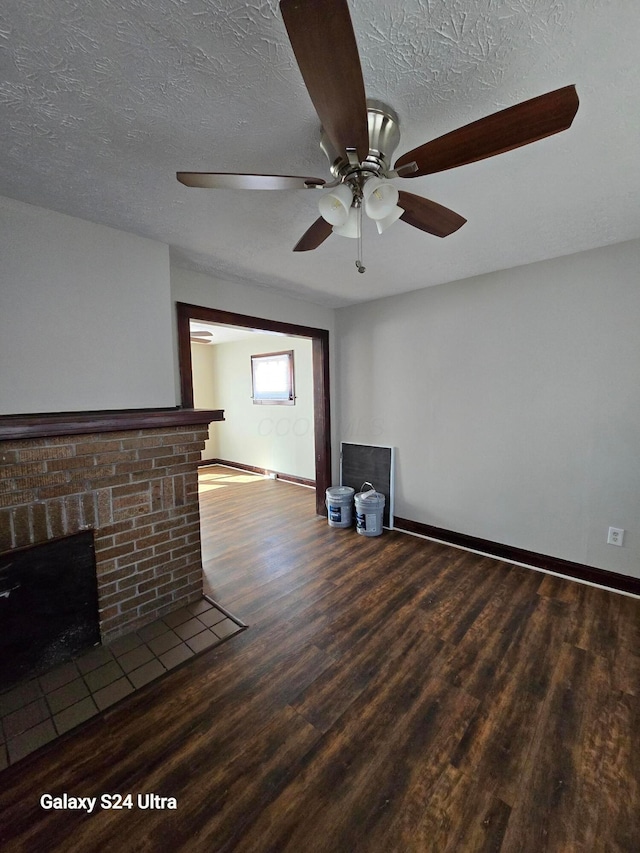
x: 615, y: 537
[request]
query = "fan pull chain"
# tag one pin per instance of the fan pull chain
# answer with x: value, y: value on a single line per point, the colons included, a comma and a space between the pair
x: 361, y: 268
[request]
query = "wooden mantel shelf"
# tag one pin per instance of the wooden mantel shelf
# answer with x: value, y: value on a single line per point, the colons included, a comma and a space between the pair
x: 78, y: 423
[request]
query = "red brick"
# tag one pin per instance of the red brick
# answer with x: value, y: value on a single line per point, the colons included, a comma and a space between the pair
x: 66, y: 464
x: 89, y: 516
x: 168, y: 524
x: 109, y: 482
x: 133, y: 557
x: 151, y: 518
x: 47, y: 492
x: 155, y: 488
x: 187, y: 529
x: 17, y: 498
x: 138, y: 470
x: 72, y: 513
x: 127, y: 489
x: 25, y: 470
x: 161, y: 606
x: 185, y: 551
x: 133, y: 534
x: 167, y: 492
x: 150, y: 540
x: 116, y: 574
x: 138, y: 442
x: 139, y: 499
x: 54, y: 478
x: 164, y: 546
x: 152, y: 452
x: 39, y: 522
x: 117, y: 527
x: 103, y: 540
x: 55, y: 518
x: 84, y: 448
x: 93, y: 474
x: 114, y: 457
x: 144, y: 581
x: 111, y: 553
x: 106, y: 590
x: 129, y: 511
x: 5, y: 530
x: 108, y: 612
x: 150, y: 563
x: 21, y: 527
x: 105, y: 515
x: 104, y: 567
x: 133, y: 604
x: 37, y: 454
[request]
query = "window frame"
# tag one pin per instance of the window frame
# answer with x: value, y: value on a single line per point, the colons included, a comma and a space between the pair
x: 274, y: 401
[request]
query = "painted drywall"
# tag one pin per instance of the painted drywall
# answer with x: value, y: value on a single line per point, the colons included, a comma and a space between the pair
x: 274, y: 438
x: 513, y: 400
x: 85, y: 315
x: 203, y: 376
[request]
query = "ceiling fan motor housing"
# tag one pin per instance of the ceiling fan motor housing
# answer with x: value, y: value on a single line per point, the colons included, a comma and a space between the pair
x: 384, y: 136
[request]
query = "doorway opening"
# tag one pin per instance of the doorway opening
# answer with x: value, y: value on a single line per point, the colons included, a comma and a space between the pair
x: 320, y: 370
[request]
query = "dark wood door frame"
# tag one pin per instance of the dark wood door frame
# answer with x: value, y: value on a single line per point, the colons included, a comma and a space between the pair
x: 320, y: 361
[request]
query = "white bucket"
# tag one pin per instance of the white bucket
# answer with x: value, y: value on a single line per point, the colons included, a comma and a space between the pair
x: 369, y: 510
x: 339, y: 502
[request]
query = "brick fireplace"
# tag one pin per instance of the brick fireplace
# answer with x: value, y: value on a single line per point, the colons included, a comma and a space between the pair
x: 131, y: 478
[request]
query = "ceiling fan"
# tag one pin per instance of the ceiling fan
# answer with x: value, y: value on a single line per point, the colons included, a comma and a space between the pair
x: 359, y: 136
x: 200, y: 337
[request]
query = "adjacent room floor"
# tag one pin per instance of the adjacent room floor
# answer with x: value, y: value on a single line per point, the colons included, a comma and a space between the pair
x: 390, y: 694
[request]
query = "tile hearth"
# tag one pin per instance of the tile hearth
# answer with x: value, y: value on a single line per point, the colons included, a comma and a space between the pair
x: 41, y: 709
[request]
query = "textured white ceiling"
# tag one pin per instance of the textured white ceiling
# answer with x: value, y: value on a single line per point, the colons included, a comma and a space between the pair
x: 102, y: 101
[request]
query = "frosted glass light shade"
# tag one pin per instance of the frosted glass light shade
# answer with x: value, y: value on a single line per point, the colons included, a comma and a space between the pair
x: 335, y: 206
x: 395, y: 214
x: 351, y: 228
x: 380, y: 197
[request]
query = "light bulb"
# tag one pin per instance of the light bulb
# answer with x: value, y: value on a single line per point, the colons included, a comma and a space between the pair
x: 351, y: 228
x: 380, y: 197
x: 334, y: 206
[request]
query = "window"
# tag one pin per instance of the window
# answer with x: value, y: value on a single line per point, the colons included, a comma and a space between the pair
x: 272, y: 379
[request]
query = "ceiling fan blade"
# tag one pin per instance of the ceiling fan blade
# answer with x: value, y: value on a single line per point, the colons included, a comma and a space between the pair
x: 502, y: 131
x: 314, y: 236
x: 227, y: 180
x: 324, y: 44
x: 428, y: 215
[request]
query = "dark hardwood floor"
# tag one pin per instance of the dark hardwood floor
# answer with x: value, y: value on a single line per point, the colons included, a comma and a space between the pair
x: 390, y: 694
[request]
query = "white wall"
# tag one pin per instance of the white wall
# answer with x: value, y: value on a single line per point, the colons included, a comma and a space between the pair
x: 275, y: 438
x: 513, y: 400
x: 85, y: 315
x: 199, y: 289
x: 203, y: 377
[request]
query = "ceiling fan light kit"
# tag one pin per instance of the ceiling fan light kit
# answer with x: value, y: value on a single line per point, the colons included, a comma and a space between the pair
x: 359, y: 136
x: 395, y: 214
x: 353, y: 225
x: 335, y: 205
x: 380, y: 197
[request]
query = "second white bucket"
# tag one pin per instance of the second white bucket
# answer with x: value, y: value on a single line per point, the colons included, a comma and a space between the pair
x: 339, y: 503
x: 369, y: 510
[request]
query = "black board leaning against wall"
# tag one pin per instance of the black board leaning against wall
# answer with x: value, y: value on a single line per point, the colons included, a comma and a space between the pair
x: 360, y: 463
